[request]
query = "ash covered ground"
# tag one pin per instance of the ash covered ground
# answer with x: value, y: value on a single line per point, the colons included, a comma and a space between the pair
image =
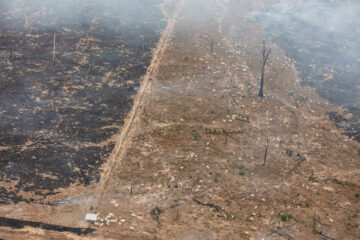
x: 68, y: 70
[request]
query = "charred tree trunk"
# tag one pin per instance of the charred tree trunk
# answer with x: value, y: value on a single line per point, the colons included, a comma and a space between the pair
x: 266, y: 150
x: 265, y: 54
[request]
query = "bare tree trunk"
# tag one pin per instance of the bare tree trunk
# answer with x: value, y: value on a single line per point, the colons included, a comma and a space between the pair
x: 261, y: 91
x: 266, y: 150
x: 265, y: 54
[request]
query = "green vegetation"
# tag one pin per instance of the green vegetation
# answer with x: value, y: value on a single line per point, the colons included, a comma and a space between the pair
x: 228, y: 109
x: 217, y: 175
x: 195, y: 134
x: 284, y: 217
x: 243, y: 116
x: 212, y: 131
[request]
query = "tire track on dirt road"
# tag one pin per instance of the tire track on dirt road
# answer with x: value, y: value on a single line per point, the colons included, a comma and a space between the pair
x: 123, y: 141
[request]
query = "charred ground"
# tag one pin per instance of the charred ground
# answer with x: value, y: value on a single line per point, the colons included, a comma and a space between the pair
x: 59, y: 110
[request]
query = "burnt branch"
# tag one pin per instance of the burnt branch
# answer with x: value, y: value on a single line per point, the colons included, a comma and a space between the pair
x: 217, y: 208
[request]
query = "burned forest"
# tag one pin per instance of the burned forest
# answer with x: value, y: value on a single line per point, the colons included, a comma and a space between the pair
x: 68, y: 71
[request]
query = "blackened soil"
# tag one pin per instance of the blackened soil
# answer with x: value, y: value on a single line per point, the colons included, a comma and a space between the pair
x: 15, y: 223
x: 323, y: 37
x: 58, y: 114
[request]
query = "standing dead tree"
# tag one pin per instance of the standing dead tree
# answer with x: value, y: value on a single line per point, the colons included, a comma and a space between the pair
x: 54, y: 48
x: 265, y: 54
x: 266, y: 150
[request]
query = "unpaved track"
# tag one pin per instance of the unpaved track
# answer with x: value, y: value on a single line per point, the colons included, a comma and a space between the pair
x: 124, y: 139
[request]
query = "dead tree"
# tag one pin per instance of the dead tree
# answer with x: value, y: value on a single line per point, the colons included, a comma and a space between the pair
x: 265, y: 54
x: 266, y: 150
x: 54, y: 48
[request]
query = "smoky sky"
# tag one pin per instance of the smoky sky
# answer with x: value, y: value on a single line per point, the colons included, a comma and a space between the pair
x: 332, y: 25
x: 333, y: 16
x: 54, y: 14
